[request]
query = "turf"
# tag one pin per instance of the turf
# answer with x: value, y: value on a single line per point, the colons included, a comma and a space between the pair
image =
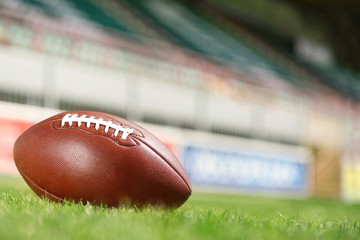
x: 204, y: 216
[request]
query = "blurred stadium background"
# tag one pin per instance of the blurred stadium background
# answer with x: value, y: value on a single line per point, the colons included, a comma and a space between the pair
x: 255, y: 97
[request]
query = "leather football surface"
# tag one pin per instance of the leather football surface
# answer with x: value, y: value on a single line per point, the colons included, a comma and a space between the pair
x: 102, y: 159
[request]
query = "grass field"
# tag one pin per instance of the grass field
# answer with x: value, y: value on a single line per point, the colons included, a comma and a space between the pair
x: 204, y: 216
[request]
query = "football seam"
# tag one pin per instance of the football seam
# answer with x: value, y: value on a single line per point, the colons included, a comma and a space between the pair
x: 44, y: 190
x: 163, y: 158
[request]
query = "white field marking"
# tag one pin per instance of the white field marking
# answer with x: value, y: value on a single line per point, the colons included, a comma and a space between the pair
x: 70, y: 118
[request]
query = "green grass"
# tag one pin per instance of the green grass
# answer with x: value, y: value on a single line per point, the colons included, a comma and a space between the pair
x: 204, y: 216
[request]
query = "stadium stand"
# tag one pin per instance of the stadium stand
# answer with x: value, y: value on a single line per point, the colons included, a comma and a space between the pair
x: 83, y: 10
x: 334, y: 76
x: 195, y: 32
x: 247, y: 58
x: 121, y: 11
x: 340, y: 78
x: 41, y: 5
x: 97, y: 15
x: 262, y: 75
x: 245, y: 55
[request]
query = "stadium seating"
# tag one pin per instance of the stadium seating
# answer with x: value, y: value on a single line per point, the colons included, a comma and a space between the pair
x: 41, y: 5
x: 97, y: 15
x: 161, y: 20
x: 200, y: 35
x: 120, y: 10
x: 334, y: 77
x: 340, y: 78
x: 82, y: 8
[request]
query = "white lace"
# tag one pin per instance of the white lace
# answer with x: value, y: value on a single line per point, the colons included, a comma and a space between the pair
x: 70, y: 118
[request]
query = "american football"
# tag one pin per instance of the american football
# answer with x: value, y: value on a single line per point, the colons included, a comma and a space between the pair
x: 102, y: 159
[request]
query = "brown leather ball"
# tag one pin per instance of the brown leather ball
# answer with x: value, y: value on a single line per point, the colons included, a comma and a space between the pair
x: 102, y: 159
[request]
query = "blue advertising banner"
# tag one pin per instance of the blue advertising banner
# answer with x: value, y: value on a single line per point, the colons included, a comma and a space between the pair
x: 215, y: 167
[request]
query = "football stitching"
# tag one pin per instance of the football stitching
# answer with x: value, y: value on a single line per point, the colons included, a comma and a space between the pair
x: 71, y: 118
x: 114, y: 120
